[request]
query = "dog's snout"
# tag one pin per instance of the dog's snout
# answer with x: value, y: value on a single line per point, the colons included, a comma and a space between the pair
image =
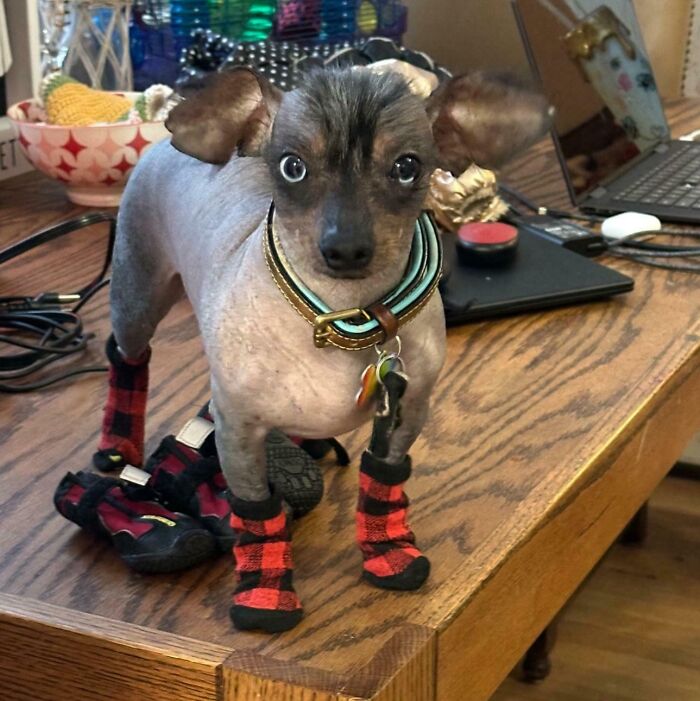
x: 346, y: 251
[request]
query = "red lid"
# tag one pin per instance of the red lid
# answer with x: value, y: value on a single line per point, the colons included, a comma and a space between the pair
x: 487, y: 233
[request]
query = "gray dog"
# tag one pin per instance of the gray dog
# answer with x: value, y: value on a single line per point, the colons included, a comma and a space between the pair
x: 346, y: 160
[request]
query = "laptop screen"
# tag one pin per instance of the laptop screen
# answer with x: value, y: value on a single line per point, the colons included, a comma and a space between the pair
x: 593, y: 66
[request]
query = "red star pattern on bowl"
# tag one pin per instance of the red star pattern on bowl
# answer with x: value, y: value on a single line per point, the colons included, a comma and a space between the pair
x: 93, y: 161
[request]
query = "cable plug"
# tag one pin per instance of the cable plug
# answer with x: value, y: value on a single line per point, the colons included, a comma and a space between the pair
x: 46, y: 299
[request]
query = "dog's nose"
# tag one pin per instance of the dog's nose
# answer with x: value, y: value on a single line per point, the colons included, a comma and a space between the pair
x: 345, y: 251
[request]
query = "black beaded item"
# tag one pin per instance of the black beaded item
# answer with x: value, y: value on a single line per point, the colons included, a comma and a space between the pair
x: 284, y: 63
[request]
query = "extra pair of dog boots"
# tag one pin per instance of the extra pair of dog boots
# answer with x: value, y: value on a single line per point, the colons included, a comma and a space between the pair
x: 184, y: 516
x: 177, y: 517
x: 149, y: 537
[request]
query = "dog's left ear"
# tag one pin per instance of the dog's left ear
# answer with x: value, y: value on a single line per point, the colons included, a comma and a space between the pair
x: 485, y: 120
x: 232, y: 113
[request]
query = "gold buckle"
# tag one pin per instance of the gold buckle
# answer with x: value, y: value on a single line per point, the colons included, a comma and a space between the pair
x: 323, y: 321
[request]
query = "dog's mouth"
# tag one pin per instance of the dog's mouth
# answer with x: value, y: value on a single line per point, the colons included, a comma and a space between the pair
x: 321, y: 267
x: 345, y: 274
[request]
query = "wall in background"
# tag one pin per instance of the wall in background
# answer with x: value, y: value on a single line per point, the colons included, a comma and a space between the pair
x: 482, y: 34
x: 467, y: 34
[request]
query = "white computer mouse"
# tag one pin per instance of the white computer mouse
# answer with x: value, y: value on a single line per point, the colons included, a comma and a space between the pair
x: 628, y: 223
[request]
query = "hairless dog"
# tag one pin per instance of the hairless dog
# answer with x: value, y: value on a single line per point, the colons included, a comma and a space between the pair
x: 346, y: 159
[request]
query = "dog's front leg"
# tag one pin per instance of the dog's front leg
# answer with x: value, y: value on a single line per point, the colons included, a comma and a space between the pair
x: 391, y: 558
x: 264, y: 597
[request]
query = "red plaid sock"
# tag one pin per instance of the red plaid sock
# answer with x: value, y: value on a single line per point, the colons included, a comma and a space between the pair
x: 391, y: 559
x: 264, y: 597
x: 121, y: 442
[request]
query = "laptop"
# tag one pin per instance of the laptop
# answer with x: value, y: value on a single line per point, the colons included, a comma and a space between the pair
x: 609, y: 128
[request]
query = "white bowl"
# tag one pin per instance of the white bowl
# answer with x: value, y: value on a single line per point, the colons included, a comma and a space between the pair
x: 93, y: 161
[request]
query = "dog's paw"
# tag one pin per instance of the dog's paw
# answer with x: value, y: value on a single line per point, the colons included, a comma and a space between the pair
x: 268, y: 620
x: 413, y: 577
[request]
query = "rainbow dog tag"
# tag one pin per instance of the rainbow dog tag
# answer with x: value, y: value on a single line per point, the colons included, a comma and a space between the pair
x: 373, y: 376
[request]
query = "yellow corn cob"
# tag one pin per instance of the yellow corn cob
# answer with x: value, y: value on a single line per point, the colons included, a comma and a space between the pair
x: 73, y: 104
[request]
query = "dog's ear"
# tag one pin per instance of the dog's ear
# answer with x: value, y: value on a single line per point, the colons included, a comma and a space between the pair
x: 485, y: 120
x: 232, y: 113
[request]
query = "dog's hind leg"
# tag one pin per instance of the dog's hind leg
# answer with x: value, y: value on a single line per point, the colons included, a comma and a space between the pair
x: 142, y: 291
x: 264, y: 597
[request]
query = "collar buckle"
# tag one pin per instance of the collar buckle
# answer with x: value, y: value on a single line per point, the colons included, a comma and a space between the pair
x: 322, y: 323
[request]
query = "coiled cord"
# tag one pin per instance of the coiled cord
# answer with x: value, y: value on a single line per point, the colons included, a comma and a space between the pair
x: 40, y: 326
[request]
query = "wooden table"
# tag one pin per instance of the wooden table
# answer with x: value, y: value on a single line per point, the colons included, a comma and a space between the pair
x: 549, y: 431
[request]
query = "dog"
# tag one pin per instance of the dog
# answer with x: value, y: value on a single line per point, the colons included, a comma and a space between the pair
x: 346, y: 159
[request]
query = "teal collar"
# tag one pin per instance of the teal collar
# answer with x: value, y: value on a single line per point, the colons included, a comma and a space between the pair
x: 360, y: 328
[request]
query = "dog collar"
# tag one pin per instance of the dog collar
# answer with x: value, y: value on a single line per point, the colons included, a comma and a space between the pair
x: 359, y: 328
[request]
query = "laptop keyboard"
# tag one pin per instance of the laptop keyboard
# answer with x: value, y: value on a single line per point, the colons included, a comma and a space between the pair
x: 675, y: 182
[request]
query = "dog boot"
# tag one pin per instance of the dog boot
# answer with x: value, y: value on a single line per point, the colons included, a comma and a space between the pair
x: 264, y: 597
x: 121, y: 442
x: 293, y: 473
x: 289, y: 468
x: 391, y: 559
x: 319, y: 448
x: 148, y: 537
x: 185, y: 481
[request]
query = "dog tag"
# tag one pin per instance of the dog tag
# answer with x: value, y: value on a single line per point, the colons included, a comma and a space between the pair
x: 390, y: 363
x: 373, y: 377
x: 134, y: 475
x: 195, y: 432
x: 368, y: 386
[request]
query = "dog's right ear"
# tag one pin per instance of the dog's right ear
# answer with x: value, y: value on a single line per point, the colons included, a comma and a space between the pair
x: 485, y: 119
x: 232, y: 113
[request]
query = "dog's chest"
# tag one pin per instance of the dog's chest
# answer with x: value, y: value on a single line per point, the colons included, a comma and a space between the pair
x: 264, y: 361
x: 316, y: 394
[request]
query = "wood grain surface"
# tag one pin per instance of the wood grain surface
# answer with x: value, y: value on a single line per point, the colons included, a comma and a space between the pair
x: 50, y: 652
x: 548, y: 432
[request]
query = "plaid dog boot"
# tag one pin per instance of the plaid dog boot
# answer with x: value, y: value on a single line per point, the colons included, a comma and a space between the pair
x: 391, y: 559
x: 121, y: 442
x: 185, y: 481
x: 147, y: 536
x: 264, y: 597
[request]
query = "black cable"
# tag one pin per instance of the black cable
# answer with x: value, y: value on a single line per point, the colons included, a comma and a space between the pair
x: 90, y: 293
x: 629, y: 247
x: 654, y: 254
x: 642, y: 253
x: 43, y: 329
x: 640, y: 240
x: 524, y: 200
x: 657, y: 264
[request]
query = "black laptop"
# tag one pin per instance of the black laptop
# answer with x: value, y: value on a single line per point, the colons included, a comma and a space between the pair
x: 541, y: 276
x: 610, y: 130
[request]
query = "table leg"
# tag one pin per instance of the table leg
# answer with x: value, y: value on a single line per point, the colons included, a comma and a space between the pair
x: 635, y: 531
x: 536, y: 664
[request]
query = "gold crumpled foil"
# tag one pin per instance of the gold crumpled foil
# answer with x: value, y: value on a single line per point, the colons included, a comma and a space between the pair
x: 473, y: 196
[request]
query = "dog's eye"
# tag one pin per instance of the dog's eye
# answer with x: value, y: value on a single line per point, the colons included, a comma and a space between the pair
x: 293, y: 169
x: 405, y: 170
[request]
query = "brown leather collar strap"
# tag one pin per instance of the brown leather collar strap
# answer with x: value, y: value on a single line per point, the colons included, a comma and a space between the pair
x: 387, y: 320
x: 331, y: 327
